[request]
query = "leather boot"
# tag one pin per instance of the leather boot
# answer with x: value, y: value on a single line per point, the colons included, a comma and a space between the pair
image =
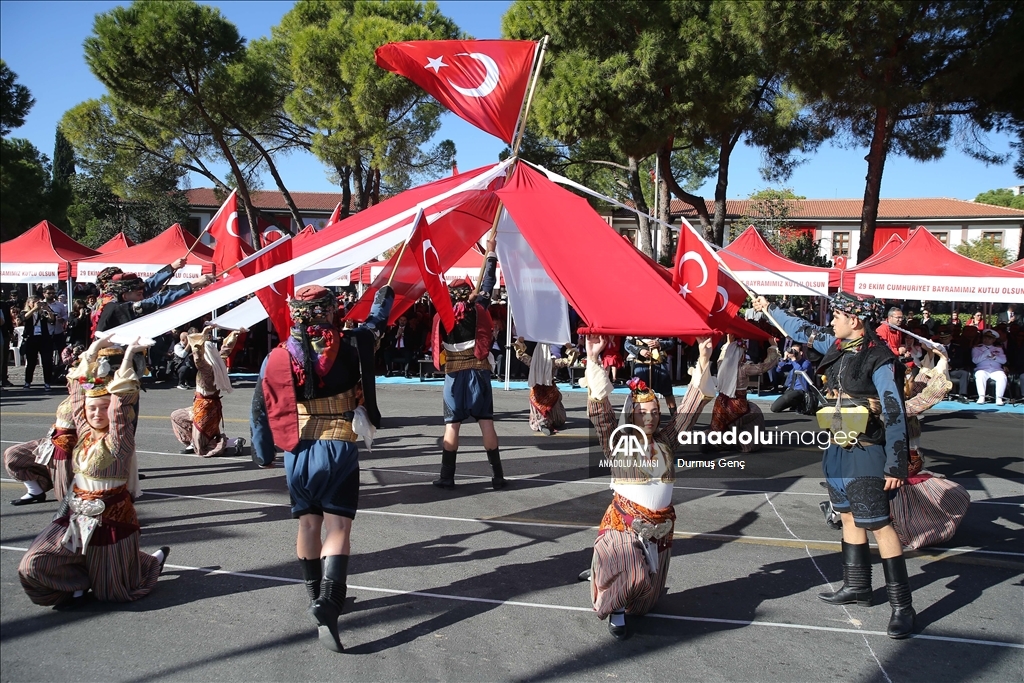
x: 326, y: 609
x: 446, y: 480
x: 312, y: 573
x: 856, y: 577
x: 897, y: 585
x: 498, y: 481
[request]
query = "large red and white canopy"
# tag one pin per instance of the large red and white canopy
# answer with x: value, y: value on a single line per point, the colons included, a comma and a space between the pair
x: 750, y: 258
x: 924, y: 268
x: 42, y: 254
x: 147, y: 258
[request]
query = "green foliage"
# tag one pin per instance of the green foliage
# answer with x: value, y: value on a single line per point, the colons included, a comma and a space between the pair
x: 985, y: 251
x: 24, y: 186
x: 15, y: 100
x: 364, y: 123
x: 1001, y: 197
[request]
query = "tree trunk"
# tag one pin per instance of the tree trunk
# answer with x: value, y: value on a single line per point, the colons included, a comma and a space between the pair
x: 665, y: 215
x: 243, y: 189
x: 642, y: 221
x: 721, y: 188
x: 375, y: 189
x: 1020, y: 247
x: 345, y: 174
x: 877, y: 152
x: 359, y: 186
x: 296, y: 216
x: 698, y: 203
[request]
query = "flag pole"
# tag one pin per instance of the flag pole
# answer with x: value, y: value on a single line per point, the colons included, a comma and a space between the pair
x: 405, y: 243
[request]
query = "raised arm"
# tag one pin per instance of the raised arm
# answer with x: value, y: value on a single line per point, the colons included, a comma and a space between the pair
x: 701, y: 389
x: 490, y: 274
x: 799, y: 329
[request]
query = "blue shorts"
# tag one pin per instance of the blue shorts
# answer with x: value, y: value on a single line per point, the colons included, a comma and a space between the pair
x: 467, y: 393
x: 323, y: 476
x: 856, y: 483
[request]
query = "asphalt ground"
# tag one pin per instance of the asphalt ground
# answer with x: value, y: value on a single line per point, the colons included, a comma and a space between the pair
x: 475, y: 584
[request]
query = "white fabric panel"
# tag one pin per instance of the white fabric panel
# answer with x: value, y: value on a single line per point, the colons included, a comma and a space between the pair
x: 244, y: 315
x: 195, y: 306
x: 541, y: 312
x: 29, y: 272
x: 87, y: 271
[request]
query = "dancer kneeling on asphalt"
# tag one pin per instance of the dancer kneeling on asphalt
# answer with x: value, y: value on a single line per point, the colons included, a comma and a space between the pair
x: 45, y: 463
x: 199, y: 427
x: 867, y: 458
x: 315, y: 398
x: 93, y: 541
x: 634, y: 543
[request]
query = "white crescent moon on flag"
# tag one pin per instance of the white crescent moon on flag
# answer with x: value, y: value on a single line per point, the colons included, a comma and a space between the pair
x: 694, y: 256
x: 490, y: 81
x: 274, y: 288
x: 427, y: 245
x: 725, y: 298
x: 233, y: 220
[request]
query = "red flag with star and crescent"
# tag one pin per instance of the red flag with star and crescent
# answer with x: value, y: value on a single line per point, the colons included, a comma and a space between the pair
x: 482, y: 81
x: 274, y: 297
x: 695, y: 274
x: 422, y: 248
x: 230, y: 247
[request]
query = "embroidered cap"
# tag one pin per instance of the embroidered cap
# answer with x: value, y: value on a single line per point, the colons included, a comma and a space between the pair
x: 640, y: 392
x: 312, y: 303
x: 101, y: 372
x: 864, y: 308
x: 124, y: 282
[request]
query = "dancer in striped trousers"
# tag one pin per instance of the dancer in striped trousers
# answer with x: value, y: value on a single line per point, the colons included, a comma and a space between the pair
x: 45, y: 463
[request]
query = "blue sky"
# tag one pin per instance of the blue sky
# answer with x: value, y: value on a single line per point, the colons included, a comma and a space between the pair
x: 42, y: 43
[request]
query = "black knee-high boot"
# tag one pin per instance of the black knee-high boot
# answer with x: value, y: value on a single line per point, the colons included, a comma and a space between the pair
x: 856, y: 577
x: 897, y: 585
x: 446, y: 480
x: 498, y: 481
x: 326, y: 609
x: 312, y: 573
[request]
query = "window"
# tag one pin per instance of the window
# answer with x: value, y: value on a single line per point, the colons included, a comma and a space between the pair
x: 192, y: 225
x: 996, y: 238
x: 942, y: 237
x: 840, y: 244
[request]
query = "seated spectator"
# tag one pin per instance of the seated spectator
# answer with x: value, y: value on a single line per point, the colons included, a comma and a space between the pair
x: 795, y: 392
x: 989, y: 359
x: 186, y: 365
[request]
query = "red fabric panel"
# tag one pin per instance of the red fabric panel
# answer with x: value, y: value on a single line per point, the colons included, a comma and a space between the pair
x: 884, y: 232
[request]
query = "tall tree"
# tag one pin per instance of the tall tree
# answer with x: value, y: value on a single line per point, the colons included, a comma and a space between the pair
x: 897, y: 77
x: 24, y: 186
x: 15, y: 100
x: 369, y: 126
x: 60, y: 180
x: 682, y: 78
x: 1001, y: 197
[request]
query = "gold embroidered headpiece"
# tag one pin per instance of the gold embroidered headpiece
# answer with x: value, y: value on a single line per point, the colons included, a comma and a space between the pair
x: 101, y: 371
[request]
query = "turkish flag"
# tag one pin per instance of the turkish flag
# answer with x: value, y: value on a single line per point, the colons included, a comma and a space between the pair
x: 729, y: 296
x: 695, y: 274
x: 335, y: 216
x: 482, y: 81
x: 272, y: 234
x: 422, y: 248
x: 274, y: 297
x: 223, y: 227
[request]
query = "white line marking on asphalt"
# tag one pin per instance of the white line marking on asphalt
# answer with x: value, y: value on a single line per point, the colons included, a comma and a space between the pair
x: 572, y: 608
x: 849, y: 616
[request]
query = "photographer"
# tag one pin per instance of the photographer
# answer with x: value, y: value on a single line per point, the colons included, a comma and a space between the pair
x: 796, y: 394
x: 37, y: 344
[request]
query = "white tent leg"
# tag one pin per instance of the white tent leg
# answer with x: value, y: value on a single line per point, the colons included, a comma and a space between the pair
x: 508, y: 346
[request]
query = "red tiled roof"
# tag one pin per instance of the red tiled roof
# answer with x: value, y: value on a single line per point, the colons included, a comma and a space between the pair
x: 888, y: 209
x: 269, y: 200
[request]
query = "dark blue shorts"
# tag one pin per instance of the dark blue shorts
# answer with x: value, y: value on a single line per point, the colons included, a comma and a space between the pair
x: 323, y: 476
x: 856, y: 484
x: 467, y: 393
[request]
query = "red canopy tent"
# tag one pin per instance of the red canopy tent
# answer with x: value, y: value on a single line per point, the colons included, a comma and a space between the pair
x: 894, y: 244
x: 149, y: 257
x: 1016, y: 266
x: 923, y: 268
x: 42, y: 254
x: 753, y: 249
x: 116, y: 243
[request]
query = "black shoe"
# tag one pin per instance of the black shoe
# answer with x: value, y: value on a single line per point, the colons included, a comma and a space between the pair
x: 75, y: 602
x: 832, y: 519
x: 897, y: 586
x: 7, y: 383
x: 498, y: 481
x: 584, y: 575
x: 239, y: 445
x: 856, y: 577
x: 446, y: 479
x: 37, y: 498
x: 326, y: 609
x: 620, y: 632
x: 141, y: 475
x: 166, y: 550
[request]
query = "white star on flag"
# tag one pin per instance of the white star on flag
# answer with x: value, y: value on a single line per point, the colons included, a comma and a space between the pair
x: 434, y: 63
x: 684, y: 289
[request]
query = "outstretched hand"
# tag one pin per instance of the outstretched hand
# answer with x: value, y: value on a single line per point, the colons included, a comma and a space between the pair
x: 595, y: 344
x: 178, y: 263
x: 705, y: 346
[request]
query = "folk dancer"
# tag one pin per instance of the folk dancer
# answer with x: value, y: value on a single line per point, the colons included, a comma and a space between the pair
x: 198, y: 428
x: 93, y: 541
x: 634, y: 543
x: 315, y: 398
x: 867, y: 459
x: 45, y: 463
x: 126, y: 296
x: 547, y: 414
x: 467, y: 368
x: 731, y: 407
x: 652, y: 365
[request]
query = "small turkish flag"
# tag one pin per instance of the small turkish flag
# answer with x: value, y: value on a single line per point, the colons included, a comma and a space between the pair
x: 223, y: 227
x: 274, y: 297
x: 483, y: 81
x: 421, y: 246
x: 729, y: 296
x: 695, y: 274
x: 335, y: 216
